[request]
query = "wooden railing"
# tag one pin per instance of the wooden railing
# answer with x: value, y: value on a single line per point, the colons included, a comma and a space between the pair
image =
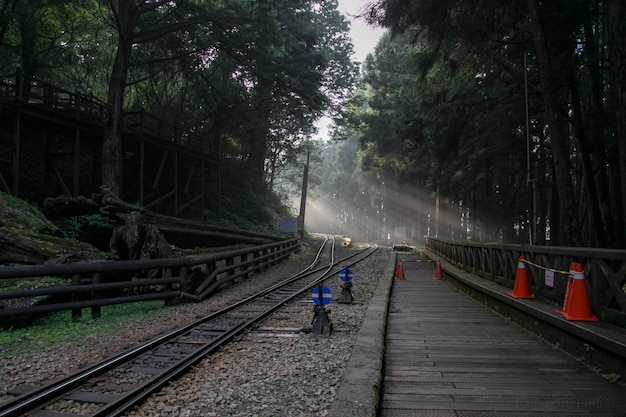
x: 88, y: 285
x: 36, y: 94
x: 16, y: 88
x: 140, y: 122
x: 605, y: 270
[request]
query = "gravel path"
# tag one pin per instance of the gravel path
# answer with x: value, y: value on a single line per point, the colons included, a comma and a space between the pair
x: 276, y: 371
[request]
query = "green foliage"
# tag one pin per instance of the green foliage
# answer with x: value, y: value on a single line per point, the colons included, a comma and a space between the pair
x: 21, y: 216
x: 38, y: 36
x: 246, y: 206
x: 244, y: 79
x: 26, y: 284
x: 438, y: 125
x: 613, y: 378
x: 298, y: 63
x: 63, y: 206
x: 447, y: 105
x: 77, y: 226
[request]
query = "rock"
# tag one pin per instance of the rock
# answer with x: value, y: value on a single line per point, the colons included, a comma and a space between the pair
x: 28, y: 237
x: 19, y: 246
x: 136, y: 239
x: 78, y: 256
x: 19, y: 215
x: 63, y: 206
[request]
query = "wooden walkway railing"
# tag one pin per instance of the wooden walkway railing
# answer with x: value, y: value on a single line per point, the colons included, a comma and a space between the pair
x: 605, y: 270
x: 15, y: 88
x: 168, y: 166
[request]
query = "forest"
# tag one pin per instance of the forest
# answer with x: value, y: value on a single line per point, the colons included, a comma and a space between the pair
x: 512, y: 115
x: 508, y: 117
x: 251, y: 76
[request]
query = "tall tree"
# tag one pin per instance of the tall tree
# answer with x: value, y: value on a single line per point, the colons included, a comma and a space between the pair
x: 557, y: 124
x: 299, y: 64
x: 569, y: 45
x: 140, y: 24
x: 617, y: 47
x: 35, y: 34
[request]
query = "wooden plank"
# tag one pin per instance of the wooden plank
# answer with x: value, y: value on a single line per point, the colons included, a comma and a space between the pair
x: 91, y: 397
x: 447, y: 355
x: 50, y: 413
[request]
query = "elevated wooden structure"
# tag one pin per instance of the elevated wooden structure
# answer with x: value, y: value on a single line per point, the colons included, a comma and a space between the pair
x: 447, y: 355
x: 51, y: 141
x: 604, y: 270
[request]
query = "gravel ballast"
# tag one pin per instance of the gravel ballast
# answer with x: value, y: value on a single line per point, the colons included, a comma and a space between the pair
x: 276, y: 370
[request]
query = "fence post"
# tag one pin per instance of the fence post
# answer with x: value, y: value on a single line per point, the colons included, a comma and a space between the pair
x: 49, y: 97
x: 244, y: 258
x: 210, y: 267
x: 267, y: 260
x: 492, y: 255
x: 19, y: 85
x: 77, y: 104
x: 76, y: 312
x: 230, y: 261
x: 276, y: 251
x: 96, y: 311
x: 167, y: 273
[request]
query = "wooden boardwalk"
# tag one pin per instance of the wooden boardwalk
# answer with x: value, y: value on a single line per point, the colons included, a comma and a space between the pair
x: 447, y: 355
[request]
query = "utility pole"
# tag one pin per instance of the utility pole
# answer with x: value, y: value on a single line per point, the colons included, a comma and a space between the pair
x: 305, y: 182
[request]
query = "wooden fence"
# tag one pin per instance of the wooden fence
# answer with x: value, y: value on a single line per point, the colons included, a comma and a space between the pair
x: 96, y: 284
x: 605, y: 270
x: 16, y: 88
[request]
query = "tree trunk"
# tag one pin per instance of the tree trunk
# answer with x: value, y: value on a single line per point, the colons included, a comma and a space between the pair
x: 597, y: 232
x: 28, y: 40
x: 260, y: 133
x: 598, y: 129
x: 617, y: 51
x: 558, y: 133
x: 112, y: 141
x: 112, y: 154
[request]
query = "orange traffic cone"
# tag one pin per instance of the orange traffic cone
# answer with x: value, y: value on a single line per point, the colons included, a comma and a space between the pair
x: 438, y: 273
x: 400, y: 272
x: 576, y: 304
x: 521, y: 288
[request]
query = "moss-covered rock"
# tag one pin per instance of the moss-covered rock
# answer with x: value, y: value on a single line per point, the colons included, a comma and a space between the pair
x: 19, y: 215
x: 28, y: 237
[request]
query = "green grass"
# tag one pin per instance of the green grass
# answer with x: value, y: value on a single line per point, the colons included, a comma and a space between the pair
x: 17, y: 284
x: 58, y: 327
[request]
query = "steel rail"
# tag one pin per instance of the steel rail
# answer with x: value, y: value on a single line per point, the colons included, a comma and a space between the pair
x: 52, y: 392
x: 118, y: 408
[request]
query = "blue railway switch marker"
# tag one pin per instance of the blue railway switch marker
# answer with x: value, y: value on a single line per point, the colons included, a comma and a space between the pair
x: 345, y: 274
x: 346, y: 296
x: 322, y: 295
x: 321, y: 322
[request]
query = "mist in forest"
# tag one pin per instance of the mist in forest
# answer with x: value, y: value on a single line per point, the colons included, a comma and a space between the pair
x: 400, y: 215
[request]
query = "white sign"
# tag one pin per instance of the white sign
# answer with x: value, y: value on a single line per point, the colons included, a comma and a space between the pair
x: 550, y: 278
x: 289, y: 225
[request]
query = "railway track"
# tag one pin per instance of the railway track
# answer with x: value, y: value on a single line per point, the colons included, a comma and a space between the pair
x: 114, y: 386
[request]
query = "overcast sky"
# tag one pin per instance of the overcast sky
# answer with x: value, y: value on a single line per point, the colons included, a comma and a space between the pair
x: 364, y: 37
